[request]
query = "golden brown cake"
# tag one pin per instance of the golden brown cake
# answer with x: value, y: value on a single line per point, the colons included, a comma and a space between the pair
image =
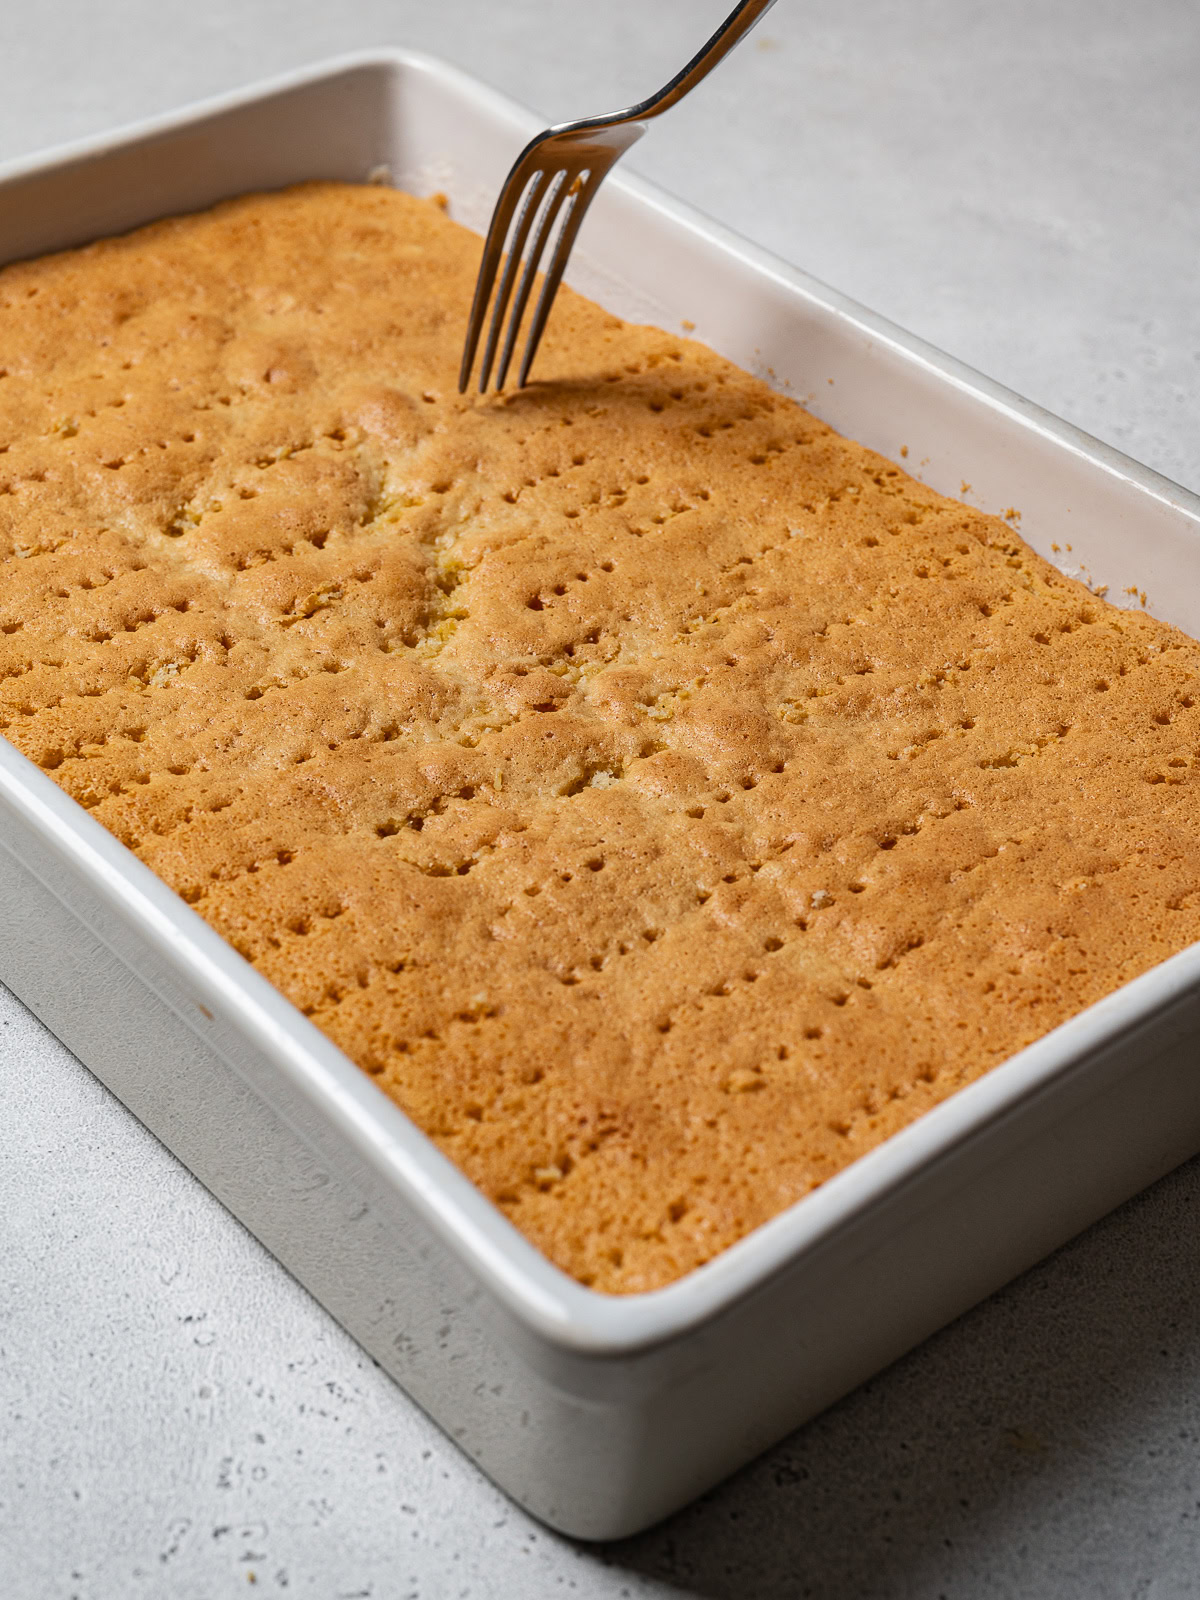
x: 664, y: 798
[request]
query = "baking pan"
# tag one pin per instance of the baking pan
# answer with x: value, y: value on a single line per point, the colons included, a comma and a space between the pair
x: 598, y: 1413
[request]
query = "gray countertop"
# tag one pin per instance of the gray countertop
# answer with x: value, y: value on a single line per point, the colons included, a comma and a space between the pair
x: 1016, y: 182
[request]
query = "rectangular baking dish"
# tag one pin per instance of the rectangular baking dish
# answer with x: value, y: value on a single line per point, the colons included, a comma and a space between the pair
x: 599, y: 1414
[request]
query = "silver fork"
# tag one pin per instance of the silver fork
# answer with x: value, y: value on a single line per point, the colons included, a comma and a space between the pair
x: 565, y: 166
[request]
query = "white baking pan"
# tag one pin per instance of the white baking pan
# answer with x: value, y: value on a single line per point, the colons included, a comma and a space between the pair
x: 600, y: 1414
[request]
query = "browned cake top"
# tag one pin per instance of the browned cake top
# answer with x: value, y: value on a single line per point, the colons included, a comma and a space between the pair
x: 664, y: 798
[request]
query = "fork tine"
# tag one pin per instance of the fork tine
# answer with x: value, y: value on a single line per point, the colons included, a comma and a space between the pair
x: 580, y: 201
x: 554, y: 205
x: 530, y: 206
x: 493, y: 248
x: 575, y: 142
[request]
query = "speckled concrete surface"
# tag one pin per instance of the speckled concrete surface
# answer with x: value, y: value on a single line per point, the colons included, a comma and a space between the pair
x: 1016, y: 182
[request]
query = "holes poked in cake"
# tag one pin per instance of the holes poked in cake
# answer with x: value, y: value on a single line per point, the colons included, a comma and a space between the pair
x: 414, y: 820
x: 1017, y: 753
x: 18, y: 669
x: 921, y: 742
x: 596, y: 772
x: 456, y: 867
x: 905, y: 946
x: 763, y: 454
x: 162, y: 674
x: 1173, y: 771
x: 786, y: 674
x: 547, y: 596
x: 318, y: 599
x: 675, y: 508
x: 225, y: 874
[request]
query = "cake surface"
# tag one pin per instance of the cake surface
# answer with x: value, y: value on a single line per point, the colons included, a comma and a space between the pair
x: 662, y: 797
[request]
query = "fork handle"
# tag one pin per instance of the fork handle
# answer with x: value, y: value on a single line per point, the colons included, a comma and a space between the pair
x: 731, y: 32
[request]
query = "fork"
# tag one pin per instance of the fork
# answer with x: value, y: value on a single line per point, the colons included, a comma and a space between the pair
x: 564, y: 167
